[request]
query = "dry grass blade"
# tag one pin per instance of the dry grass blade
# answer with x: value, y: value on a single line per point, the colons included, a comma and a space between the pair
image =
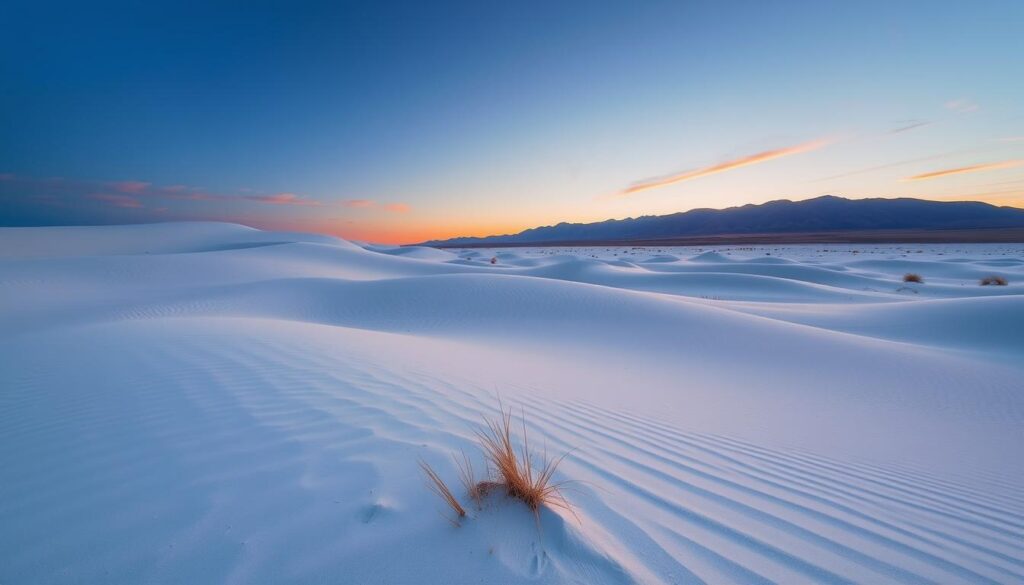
x: 496, y: 442
x: 475, y: 490
x: 437, y: 485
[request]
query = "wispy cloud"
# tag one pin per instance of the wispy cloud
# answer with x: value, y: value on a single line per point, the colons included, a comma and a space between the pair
x: 1016, y: 181
x: 282, y: 199
x: 962, y: 106
x: 135, y: 187
x: 371, y: 204
x: 397, y: 208
x: 752, y: 159
x: 186, y: 193
x: 69, y: 201
x: 358, y: 203
x: 123, y: 193
x: 895, y: 164
x: 910, y: 125
x: 123, y: 201
x: 1006, y: 164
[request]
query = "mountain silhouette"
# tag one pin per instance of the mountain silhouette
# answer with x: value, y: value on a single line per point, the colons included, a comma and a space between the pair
x: 827, y: 213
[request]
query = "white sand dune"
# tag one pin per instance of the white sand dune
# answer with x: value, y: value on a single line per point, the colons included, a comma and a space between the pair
x: 207, y: 403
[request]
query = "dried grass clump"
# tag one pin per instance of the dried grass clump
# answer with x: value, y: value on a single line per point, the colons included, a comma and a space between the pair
x: 437, y: 485
x: 509, y: 468
x: 996, y: 280
x: 514, y: 470
x: 911, y: 277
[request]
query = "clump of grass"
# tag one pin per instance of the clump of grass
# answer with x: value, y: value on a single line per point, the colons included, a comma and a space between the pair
x: 911, y: 277
x: 514, y: 470
x: 437, y: 485
x: 996, y: 280
x: 509, y: 469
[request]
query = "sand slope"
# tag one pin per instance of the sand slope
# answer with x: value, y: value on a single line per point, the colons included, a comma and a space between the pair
x: 207, y: 403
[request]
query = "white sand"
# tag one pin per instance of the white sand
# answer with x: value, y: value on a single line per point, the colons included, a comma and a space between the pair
x: 206, y: 403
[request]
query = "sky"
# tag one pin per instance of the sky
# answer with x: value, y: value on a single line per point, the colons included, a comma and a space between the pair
x: 401, y: 122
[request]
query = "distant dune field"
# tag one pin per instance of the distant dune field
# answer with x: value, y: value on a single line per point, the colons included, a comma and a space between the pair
x: 209, y: 403
x: 968, y: 236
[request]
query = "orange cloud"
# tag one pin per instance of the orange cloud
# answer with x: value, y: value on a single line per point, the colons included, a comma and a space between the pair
x: 398, y: 208
x: 752, y: 159
x: 1006, y: 164
x: 358, y: 203
x: 282, y: 199
x: 895, y: 164
x: 370, y: 203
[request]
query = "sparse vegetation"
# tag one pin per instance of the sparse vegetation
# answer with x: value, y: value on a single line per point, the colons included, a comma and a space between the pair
x: 911, y: 277
x: 996, y: 280
x: 437, y: 485
x: 514, y: 471
x: 475, y: 489
x: 508, y: 468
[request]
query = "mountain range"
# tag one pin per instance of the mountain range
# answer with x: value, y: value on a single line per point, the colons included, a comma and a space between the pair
x: 824, y: 214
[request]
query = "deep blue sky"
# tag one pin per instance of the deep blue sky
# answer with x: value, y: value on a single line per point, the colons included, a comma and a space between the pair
x: 397, y: 121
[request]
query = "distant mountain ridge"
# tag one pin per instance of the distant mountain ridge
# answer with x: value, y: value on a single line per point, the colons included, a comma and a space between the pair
x: 822, y: 214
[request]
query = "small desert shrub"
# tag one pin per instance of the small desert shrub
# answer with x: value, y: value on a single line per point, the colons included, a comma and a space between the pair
x: 510, y: 469
x: 911, y: 277
x: 996, y: 280
x: 514, y: 470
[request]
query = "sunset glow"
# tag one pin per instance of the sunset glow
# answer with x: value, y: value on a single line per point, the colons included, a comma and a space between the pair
x: 400, y: 126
